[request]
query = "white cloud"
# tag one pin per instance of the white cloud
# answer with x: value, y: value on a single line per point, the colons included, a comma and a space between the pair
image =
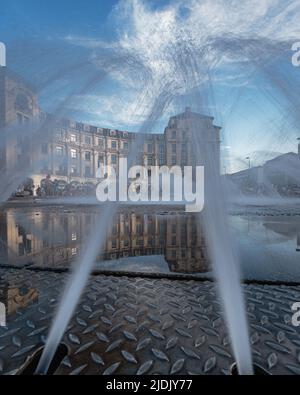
x: 220, y: 41
x: 116, y: 110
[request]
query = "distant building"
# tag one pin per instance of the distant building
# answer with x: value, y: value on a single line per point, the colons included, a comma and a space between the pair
x: 281, y: 174
x: 75, y: 150
x: 18, y: 104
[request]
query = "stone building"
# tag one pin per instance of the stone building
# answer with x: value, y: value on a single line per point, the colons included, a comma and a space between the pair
x: 18, y: 105
x: 280, y: 174
x: 73, y: 151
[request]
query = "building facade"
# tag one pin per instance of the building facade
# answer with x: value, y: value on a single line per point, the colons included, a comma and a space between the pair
x: 278, y: 175
x: 73, y: 151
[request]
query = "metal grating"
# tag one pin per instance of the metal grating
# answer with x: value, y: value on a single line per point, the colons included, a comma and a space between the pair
x: 145, y: 326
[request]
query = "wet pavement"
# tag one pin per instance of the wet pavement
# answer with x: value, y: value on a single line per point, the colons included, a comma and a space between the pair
x: 139, y: 325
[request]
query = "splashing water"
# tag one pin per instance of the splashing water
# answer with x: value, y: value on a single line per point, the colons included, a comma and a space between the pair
x: 178, y: 68
x: 82, y: 270
x: 74, y: 289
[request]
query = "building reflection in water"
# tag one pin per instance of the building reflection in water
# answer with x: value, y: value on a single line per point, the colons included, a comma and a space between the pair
x: 49, y: 237
x: 15, y: 298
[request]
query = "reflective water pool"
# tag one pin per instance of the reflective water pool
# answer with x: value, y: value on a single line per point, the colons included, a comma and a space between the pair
x: 148, y: 240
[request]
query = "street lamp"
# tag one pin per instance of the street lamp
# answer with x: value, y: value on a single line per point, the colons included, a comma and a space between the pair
x: 249, y: 163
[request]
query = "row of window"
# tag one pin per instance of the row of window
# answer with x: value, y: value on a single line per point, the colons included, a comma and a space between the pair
x: 114, y: 161
x: 87, y: 155
x: 87, y: 171
x: 174, y: 135
x: 100, y: 142
x: 113, y: 144
x: 114, y: 158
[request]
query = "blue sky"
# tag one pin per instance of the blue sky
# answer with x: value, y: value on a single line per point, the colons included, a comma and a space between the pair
x: 42, y: 18
x: 251, y: 87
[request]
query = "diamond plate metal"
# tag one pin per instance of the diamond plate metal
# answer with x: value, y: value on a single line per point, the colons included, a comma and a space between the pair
x: 126, y: 325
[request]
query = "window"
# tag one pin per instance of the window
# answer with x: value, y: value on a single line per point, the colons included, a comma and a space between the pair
x: 140, y: 242
x: 161, y: 159
x: 87, y: 171
x: 174, y: 160
x: 73, y: 138
x: 21, y: 249
x: 45, y: 149
x: 150, y: 161
x: 100, y: 143
x: 139, y: 229
x: 125, y: 146
x: 87, y: 140
x: 74, y: 251
x: 59, y: 135
x: 65, y: 123
x: 174, y: 148
x: 87, y: 155
x: 61, y: 170
x: 73, y: 153
x: 150, y: 148
x: 20, y: 118
x: 161, y: 148
x: 74, y: 236
x: 59, y: 151
x: 74, y: 170
x: 114, y: 159
x: 114, y: 145
x: 174, y: 134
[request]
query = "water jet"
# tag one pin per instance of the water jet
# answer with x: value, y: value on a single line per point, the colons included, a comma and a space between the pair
x: 257, y: 370
x: 31, y: 364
